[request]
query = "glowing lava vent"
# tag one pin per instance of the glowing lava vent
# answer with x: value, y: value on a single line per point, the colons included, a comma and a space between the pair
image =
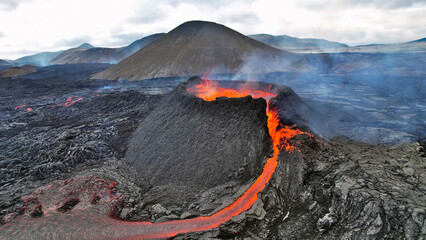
x: 209, y: 90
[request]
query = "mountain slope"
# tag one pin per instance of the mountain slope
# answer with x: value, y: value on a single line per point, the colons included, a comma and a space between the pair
x: 190, y: 49
x: 68, y: 56
x: 292, y: 43
x: 137, y: 45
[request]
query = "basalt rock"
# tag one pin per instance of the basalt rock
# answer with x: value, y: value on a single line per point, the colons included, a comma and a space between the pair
x: 337, y: 189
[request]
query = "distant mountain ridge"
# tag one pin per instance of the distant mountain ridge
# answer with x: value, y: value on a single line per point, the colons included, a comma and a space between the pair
x: 86, y: 53
x: 313, y: 45
x: 415, y: 46
x: 103, y: 55
x: 285, y: 42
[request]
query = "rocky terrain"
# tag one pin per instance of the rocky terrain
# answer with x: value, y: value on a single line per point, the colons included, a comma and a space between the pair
x: 339, y: 190
x: 70, y: 142
x: 30, y: 114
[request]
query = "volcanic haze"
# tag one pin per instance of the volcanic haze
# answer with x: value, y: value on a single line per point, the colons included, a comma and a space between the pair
x: 190, y: 49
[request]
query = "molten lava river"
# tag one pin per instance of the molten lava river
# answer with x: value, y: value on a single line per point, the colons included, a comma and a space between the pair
x: 110, y: 228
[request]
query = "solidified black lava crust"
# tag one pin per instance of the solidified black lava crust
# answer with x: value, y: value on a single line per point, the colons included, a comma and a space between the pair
x: 187, y: 141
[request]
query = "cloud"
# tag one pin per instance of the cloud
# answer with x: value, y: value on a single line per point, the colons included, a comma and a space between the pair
x: 242, y: 18
x: 202, y: 4
x: 53, y: 24
x: 9, y: 5
x: 152, y: 11
x: 154, y: 14
x: 20, y: 52
x: 343, y: 4
x: 124, y: 39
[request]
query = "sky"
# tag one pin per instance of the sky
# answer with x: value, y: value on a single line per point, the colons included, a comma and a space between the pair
x: 31, y: 26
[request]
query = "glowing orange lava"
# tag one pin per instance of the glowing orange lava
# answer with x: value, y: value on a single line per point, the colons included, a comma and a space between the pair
x: 209, y: 91
x: 70, y: 101
x: 18, y: 107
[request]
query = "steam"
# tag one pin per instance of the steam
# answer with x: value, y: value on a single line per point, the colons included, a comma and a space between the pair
x: 369, y: 97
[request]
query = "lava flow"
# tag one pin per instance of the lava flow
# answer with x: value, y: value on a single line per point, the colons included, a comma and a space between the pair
x: 209, y: 91
x: 70, y: 101
x: 111, y: 228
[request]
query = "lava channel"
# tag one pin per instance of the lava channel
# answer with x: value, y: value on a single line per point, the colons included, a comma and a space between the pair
x: 93, y: 227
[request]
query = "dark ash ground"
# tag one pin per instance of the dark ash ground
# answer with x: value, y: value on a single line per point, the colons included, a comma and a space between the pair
x: 332, y: 189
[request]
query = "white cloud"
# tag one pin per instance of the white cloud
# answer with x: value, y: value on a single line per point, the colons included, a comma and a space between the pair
x: 41, y: 25
x: 344, y: 4
x: 9, y: 5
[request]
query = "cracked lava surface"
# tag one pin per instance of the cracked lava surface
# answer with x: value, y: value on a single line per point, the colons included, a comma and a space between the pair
x: 80, y: 225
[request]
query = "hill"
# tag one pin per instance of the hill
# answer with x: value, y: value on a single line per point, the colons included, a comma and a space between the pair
x: 292, y: 43
x: 18, y: 71
x: 190, y: 49
x: 68, y: 56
